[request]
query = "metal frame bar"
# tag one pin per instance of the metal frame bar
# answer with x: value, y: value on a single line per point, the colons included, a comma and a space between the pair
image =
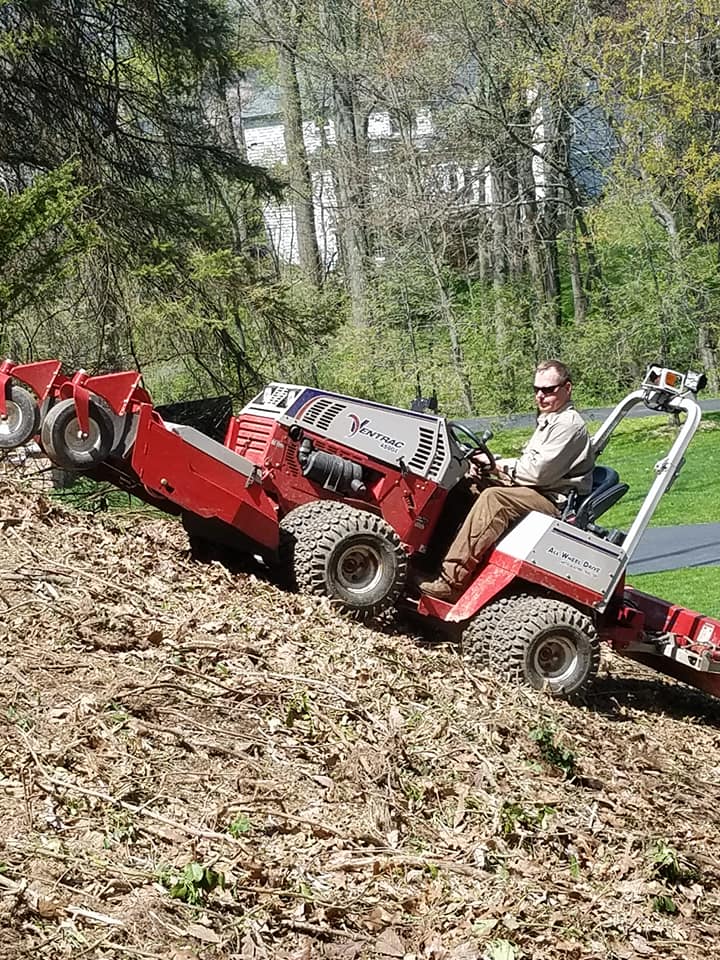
x: 666, y: 469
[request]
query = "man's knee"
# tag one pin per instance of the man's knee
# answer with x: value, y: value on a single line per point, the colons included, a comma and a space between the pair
x: 490, y: 499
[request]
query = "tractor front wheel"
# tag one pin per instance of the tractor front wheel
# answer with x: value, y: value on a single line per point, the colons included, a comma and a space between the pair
x: 488, y: 627
x: 548, y: 644
x: 21, y: 419
x: 351, y: 556
x: 67, y: 445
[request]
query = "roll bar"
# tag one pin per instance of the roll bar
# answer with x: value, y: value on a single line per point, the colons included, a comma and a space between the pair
x: 667, y: 392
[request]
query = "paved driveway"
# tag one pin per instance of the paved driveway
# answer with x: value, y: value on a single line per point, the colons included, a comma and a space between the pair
x: 512, y: 420
x: 670, y: 548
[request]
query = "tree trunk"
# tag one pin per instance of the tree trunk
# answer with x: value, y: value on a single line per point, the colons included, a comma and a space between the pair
x: 708, y: 353
x: 430, y: 241
x: 499, y: 248
x: 531, y: 237
x: 299, y: 170
x: 352, y: 202
x: 342, y: 24
x: 580, y: 304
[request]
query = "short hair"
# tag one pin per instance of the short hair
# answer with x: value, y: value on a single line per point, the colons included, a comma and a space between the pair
x: 557, y: 365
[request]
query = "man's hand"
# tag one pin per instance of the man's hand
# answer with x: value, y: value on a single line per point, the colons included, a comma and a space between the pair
x: 480, y: 466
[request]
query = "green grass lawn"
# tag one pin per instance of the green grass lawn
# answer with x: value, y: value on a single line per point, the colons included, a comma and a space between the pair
x: 634, y: 448
x: 697, y: 588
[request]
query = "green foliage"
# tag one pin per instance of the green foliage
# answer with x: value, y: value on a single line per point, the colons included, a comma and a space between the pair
x: 500, y: 950
x: 664, y: 903
x: 646, y: 307
x: 240, y: 826
x: 298, y: 708
x: 380, y: 364
x: 654, y: 289
x: 132, y: 230
x: 193, y: 884
x: 553, y: 752
x: 516, y: 819
x: 227, y: 324
x: 41, y: 237
x: 120, y: 828
x: 667, y: 864
x: 668, y: 88
x: 142, y: 187
x: 88, y: 495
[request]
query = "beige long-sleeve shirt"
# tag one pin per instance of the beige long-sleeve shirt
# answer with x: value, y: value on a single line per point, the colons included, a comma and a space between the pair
x: 557, y: 458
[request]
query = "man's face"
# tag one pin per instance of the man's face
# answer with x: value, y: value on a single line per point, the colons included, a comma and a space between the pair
x: 551, y: 391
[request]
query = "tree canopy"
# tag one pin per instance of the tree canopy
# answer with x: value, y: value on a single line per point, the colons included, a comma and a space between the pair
x: 506, y: 181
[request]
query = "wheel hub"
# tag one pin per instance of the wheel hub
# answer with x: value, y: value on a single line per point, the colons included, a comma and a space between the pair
x: 554, y: 657
x: 12, y: 419
x: 359, y: 568
x: 79, y: 442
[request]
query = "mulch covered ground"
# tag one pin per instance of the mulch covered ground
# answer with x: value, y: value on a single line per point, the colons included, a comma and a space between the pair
x: 196, y: 764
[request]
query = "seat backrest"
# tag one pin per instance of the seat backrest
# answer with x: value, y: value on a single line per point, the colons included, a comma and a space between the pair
x: 606, y: 491
x: 602, y: 478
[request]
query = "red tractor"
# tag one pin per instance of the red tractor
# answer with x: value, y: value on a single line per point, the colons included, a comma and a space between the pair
x: 347, y: 496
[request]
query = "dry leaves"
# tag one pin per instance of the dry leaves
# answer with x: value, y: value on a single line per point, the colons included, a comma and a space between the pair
x: 196, y: 764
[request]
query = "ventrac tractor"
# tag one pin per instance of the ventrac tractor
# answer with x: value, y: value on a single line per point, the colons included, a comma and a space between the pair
x: 349, y: 498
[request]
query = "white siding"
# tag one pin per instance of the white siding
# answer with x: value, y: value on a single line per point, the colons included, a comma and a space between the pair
x: 265, y: 144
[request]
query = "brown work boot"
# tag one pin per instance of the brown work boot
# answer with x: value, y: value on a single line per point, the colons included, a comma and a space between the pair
x: 440, y: 589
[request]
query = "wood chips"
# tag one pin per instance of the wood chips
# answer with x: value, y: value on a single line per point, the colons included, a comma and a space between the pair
x: 196, y: 764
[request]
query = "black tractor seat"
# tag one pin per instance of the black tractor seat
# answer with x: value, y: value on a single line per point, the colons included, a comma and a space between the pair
x: 606, y: 490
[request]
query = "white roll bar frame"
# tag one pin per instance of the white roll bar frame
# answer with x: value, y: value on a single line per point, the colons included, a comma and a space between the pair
x: 666, y: 469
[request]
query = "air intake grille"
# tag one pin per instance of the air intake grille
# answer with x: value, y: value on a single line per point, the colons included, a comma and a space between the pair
x: 426, y: 445
x: 291, y: 463
x: 435, y: 471
x: 322, y: 413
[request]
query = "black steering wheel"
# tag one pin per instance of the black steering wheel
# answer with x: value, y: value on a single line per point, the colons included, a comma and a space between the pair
x: 470, y: 443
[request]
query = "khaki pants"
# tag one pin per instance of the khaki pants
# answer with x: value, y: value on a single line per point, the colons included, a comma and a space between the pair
x: 492, y: 513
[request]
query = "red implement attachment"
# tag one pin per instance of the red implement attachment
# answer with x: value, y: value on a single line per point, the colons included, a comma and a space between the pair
x: 675, y: 641
x: 203, y: 477
x: 41, y: 376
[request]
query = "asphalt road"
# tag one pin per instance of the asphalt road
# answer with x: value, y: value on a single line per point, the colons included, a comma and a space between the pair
x: 596, y: 413
x: 671, y: 548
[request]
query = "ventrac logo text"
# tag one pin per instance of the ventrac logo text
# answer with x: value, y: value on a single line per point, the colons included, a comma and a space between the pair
x: 364, y: 429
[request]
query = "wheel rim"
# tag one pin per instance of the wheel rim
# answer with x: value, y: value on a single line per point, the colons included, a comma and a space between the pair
x: 12, y: 421
x: 359, y: 568
x: 554, y: 657
x: 76, y: 442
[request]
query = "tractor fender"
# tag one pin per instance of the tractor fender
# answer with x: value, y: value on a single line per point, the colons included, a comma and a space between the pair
x: 488, y: 583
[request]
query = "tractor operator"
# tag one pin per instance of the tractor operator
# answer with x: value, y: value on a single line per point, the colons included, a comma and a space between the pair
x: 557, y: 459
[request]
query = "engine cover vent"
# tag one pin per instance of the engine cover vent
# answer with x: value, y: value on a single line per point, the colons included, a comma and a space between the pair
x: 322, y: 413
x: 437, y: 467
x: 424, y: 452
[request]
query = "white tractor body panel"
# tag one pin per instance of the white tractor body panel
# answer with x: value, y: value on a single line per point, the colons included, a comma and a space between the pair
x: 564, y: 551
x: 417, y: 442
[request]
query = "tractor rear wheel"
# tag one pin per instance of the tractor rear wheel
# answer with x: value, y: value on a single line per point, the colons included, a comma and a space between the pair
x: 351, y: 556
x: 21, y: 420
x: 548, y: 644
x: 67, y: 445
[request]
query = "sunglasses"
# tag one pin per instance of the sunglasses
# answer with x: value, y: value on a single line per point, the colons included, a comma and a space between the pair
x: 546, y: 391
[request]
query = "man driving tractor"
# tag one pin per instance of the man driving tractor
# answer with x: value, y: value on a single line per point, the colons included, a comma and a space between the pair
x: 556, y: 460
